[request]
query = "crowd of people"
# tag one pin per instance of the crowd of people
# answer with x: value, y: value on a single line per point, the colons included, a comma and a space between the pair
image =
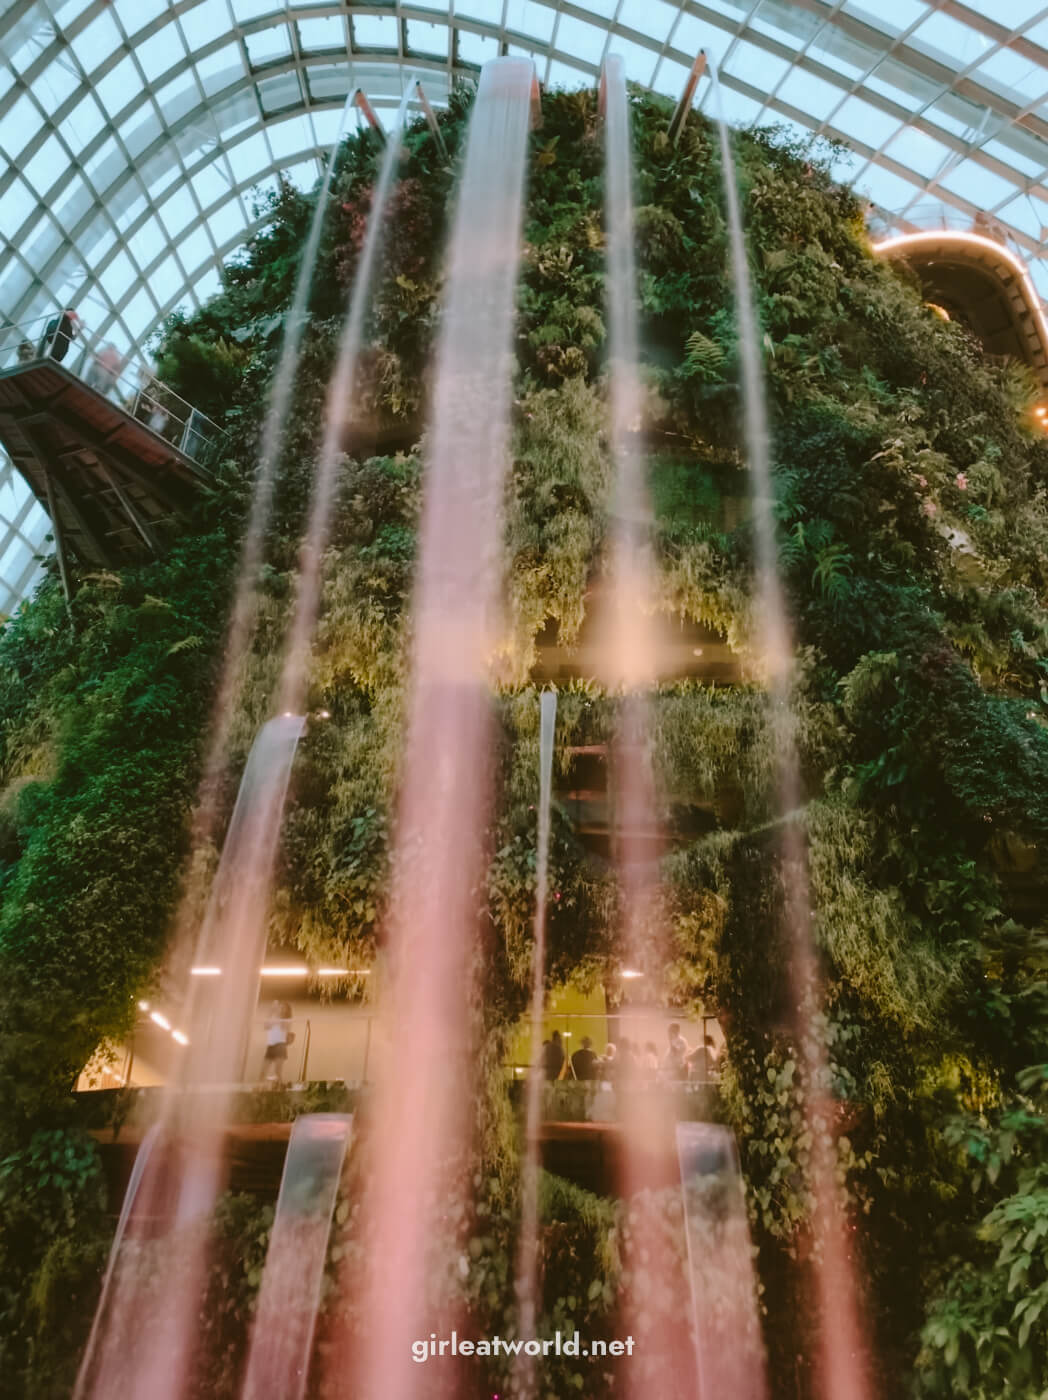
x: 631, y: 1060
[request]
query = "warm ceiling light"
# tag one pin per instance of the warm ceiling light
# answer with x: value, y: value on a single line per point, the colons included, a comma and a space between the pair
x: 696, y: 651
x: 285, y: 971
x: 143, y: 1006
x: 161, y: 1021
x: 343, y: 972
x: 630, y: 973
x: 206, y: 971
x: 180, y: 1036
x: 1041, y: 411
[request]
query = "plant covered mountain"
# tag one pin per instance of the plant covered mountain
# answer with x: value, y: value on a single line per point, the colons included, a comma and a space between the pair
x: 921, y: 718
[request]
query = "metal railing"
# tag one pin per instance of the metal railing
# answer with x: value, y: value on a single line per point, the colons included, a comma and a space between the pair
x: 124, y: 380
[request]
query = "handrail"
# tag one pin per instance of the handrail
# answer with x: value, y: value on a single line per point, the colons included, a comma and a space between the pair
x: 103, y: 369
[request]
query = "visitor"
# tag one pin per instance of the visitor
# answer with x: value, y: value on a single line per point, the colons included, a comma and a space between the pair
x: 104, y: 370
x: 675, y: 1060
x: 279, y: 1036
x: 553, y: 1057
x: 59, y: 332
x: 649, y: 1060
x: 702, y: 1062
x: 584, y: 1061
x: 608, y: 1065
x: 628, y: 1059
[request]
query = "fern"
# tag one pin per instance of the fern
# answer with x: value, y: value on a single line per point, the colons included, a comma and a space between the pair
x: 704, y: 359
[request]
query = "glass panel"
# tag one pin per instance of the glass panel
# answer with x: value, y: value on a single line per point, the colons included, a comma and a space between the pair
x: 203, y: 23
x: 19, y: 125
x: 562, y: 75
x: 157, y: 53
x: 842, y: 53
x: 118, y: 275
x: 289, y: 137
x: 527, y: 17
x: 210, y: 185
x: 194, y: 249
x: 1027, y: 214
x: 789, y: 24
x: 489, y: 11
x: 178, y: 211
x: 1010, y: 73
x: 147, y: 241
x: 739, y: 109
x: 809, y: 94
x: 886, y: 189
x: 756, y: 66
x: 104, y: 166
x: 278, y: 93
x: 251, y: 9
x: 248, y: 157
x: 950, y: 41
x: 139, y: 313
x: 577, y: 39
x: 918, y: 151
x: 865, y: 124
x: 1020, y: 149
x: 16, y: 204
x: 326, y: 33
x: 640, y: 63
x: 473, y: 48
x: 57, y: 82
x: 426, y: 38
x: 978, y: 185
x: 227, y: 222
x: 120, y: 86
x: 1016, y: 13
x: 209, y: 284
x: 380, y: 32
x: 902, y: 85
x: 47, y: 165
x: 268, y: 45
x: 892, y: 19
x: 94, y: 44
x: 653, y: 18
x: 670, y: 78
x: 303, y: 175
x: 136, y: 14
x: 220, y: 69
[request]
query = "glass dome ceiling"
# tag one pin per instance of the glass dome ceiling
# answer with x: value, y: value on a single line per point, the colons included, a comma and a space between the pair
x: 133, y: 132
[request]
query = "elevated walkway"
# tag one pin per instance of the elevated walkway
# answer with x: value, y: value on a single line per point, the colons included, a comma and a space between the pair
x: 115, y: 458
x: 976, y: 279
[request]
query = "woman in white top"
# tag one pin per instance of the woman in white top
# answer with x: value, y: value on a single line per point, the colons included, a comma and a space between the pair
x: 278, y: 1037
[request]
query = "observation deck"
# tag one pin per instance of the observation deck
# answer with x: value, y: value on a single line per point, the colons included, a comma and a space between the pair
x: 114, y: 456
x: 973, y: 277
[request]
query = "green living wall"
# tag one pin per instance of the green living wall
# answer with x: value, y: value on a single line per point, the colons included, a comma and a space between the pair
x: 921, y: 719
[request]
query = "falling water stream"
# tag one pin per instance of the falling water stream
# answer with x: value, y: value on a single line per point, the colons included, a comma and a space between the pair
x: 647, y: 1118
x: 527, y: 1261
x: 340, y: 399
x: 289, y: 1296
x: 843, y: 1356
x: 147, y: 1326
x: 242, y: 615
x: 728, y: 1344
x: 420, y: 1123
